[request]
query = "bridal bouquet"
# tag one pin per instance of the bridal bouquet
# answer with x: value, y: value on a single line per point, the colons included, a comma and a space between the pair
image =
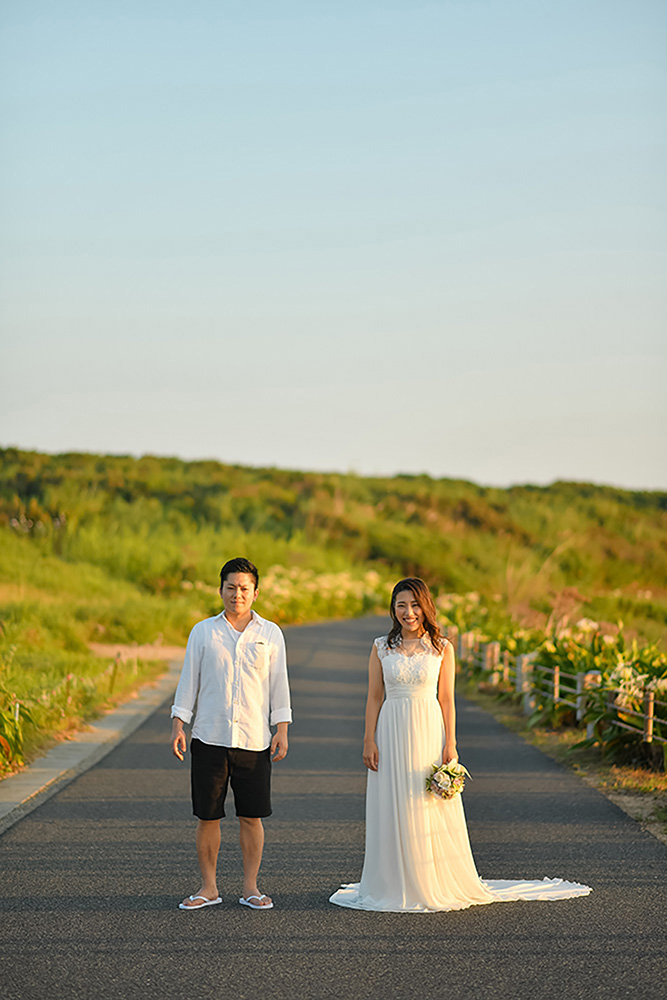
x: 446, y: 780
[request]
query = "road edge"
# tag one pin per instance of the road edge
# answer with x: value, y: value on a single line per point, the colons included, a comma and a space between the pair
x: 627, y: 803
x: 23, y: 792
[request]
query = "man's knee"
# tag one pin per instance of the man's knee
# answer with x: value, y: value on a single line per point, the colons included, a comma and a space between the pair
x: 250, y: 821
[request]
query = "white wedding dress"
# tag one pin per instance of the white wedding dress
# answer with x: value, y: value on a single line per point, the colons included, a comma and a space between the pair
x: 418, y: 856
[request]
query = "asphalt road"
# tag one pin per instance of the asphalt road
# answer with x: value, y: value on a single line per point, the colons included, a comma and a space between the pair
x: 92, y: 878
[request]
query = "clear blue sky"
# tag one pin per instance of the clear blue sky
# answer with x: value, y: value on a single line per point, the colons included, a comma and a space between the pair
x: 355, y: 235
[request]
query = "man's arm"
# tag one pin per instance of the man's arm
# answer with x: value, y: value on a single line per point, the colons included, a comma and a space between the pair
x: 280, y: 709
x: 186, y: 694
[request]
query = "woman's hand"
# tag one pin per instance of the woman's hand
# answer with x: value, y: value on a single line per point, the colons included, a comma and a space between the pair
x: 450, y: 753
x: 371, y: 755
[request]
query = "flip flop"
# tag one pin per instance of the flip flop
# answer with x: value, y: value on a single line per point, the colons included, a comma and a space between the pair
x: 254, y: 906
x: 200, y: 906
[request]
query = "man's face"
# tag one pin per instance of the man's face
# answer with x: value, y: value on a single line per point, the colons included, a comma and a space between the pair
x: 238, y: 593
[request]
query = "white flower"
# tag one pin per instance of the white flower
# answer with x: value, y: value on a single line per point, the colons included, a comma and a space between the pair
x: 622, y: 674
x: 587, y: 625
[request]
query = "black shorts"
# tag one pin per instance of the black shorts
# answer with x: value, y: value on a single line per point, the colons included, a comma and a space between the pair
x: 211, y: 772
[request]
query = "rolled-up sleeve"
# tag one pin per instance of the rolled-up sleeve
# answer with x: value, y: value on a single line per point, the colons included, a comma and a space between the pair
x: 281, y: 710
x: 188, y: 685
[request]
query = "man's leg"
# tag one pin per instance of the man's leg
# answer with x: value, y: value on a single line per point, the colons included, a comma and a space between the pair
x: 208, y: 847
x: 251, y: 835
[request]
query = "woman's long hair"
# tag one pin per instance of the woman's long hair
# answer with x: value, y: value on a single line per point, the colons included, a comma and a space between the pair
x: 425, y: 602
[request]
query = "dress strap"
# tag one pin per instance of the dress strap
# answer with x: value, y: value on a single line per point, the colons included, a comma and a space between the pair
x: 381, y: 645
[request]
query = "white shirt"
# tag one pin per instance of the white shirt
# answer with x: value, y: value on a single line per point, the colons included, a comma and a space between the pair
x: 235, y: 634
x: 238, y: 680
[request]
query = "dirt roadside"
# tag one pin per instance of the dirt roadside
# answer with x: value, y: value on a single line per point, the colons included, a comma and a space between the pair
x: 149, y: 651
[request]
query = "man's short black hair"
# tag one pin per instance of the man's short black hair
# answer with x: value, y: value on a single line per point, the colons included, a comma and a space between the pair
x: 239, y: 565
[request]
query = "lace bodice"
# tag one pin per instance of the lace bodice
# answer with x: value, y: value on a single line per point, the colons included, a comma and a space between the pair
x: 409, y: 675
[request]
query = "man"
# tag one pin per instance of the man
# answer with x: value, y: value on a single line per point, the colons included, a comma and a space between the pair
x: 235, y: 670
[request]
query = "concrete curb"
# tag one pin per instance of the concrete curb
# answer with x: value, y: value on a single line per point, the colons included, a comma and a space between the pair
x: 21, y: 793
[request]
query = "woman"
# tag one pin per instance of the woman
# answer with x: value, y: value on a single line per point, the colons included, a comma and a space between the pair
x: 418, y: 855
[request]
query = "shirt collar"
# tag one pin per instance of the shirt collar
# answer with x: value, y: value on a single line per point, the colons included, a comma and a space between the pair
x: 254, y: 618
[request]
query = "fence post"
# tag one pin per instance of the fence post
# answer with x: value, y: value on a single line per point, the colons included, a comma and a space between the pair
x: 506, y: 666
x: 649, y: 709
x: 556, y: 692
x: 491, y: 661
x: 526, y: 670
x: 465, y: 647
x: 114, y: 672
x: 581, y: 697
x: 581, y: 704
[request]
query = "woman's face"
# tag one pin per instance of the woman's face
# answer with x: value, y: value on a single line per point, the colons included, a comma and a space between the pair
x: 406, y: 608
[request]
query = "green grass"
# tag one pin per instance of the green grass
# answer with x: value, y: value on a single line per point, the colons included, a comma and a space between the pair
x: 98, y: 548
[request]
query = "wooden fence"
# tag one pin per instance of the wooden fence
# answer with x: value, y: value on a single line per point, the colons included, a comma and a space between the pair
x: 529, y: 680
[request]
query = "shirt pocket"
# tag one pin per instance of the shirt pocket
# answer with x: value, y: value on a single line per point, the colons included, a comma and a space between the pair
x: 257, y: 655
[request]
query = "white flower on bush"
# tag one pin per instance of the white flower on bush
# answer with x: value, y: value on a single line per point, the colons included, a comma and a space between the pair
x: 627, y: 699
x: 623, y: 674
x: 628, y: 685
x: 587, y: 625
x: 657, y: 684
